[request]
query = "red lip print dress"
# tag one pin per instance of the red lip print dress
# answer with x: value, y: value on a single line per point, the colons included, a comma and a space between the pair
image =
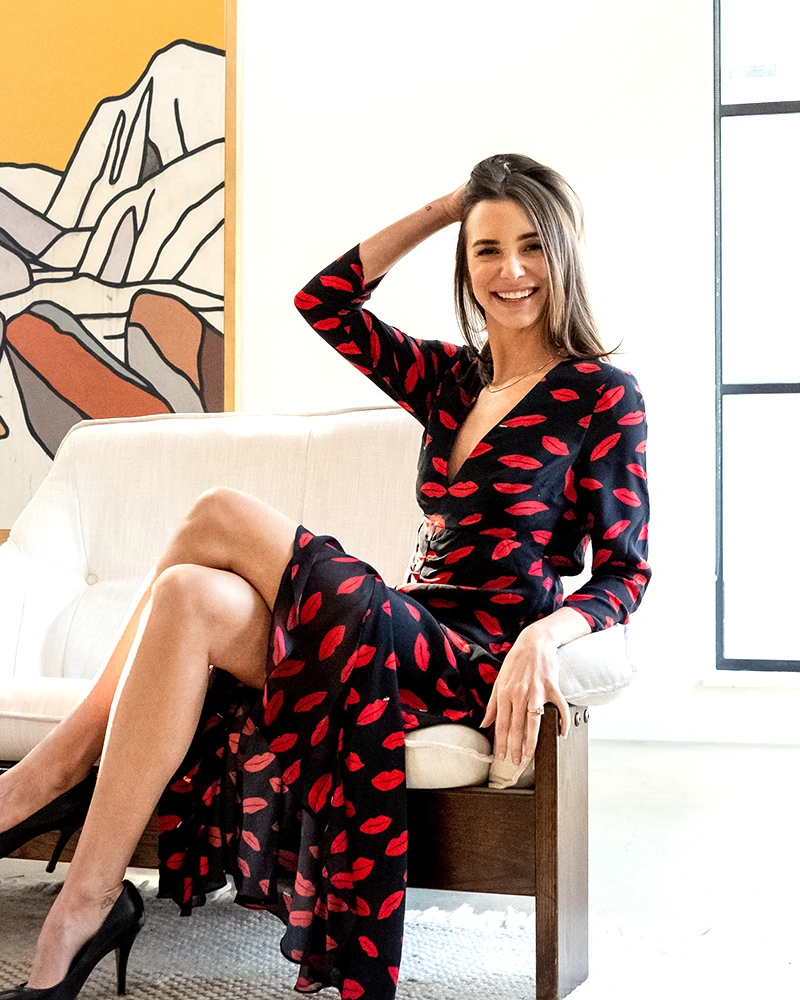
x: 299, y: 792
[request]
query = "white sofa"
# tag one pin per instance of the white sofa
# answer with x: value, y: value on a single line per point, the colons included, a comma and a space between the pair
x: 118, y: 489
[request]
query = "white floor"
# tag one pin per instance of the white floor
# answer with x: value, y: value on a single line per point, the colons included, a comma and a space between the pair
x: 694, y: 873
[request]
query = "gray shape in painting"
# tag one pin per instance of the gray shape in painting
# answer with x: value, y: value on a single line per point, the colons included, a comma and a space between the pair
x: 119, y: 256
x: 174, y: 386
x: 65, y: 322
x: 152, y: 164
x: 26, y: 228
x: 15, y: 275
x: 48, y: 416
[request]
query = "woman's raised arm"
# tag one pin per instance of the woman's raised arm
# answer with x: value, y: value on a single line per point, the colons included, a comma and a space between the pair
x: 407, y: 368
x: 381, y: 251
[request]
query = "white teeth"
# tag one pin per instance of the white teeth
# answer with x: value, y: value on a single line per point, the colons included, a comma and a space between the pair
x: 515, y: 295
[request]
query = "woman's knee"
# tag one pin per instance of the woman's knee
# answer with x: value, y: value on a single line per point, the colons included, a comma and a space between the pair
x: 183, y: 591
x: 219, y: 505
x: 225, y: 609
x: 205, y: 535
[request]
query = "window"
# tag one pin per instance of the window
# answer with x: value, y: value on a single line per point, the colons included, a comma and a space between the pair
x: 757, y: 201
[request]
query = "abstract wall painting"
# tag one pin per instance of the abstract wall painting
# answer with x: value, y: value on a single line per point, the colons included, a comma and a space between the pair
x: 114, y: 269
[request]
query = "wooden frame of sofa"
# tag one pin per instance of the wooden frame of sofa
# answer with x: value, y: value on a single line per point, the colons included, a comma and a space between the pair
x: 528, y: 842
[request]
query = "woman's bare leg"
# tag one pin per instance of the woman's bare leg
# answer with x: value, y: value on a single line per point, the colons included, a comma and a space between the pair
x: 67, y: 753
x: 195, y: 616
x: 65, y: 756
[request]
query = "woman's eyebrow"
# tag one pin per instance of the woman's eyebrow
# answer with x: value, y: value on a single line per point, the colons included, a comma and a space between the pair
x: 494, y: 243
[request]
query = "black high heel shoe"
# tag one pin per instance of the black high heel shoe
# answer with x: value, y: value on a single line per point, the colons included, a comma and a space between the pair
x: 117, y: 933
x: 65, y: 813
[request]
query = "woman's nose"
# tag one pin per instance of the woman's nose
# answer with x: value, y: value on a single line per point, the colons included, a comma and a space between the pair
x: 512, y: 267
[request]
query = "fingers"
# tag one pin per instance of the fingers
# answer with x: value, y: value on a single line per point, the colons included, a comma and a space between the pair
x: 501, y: 730
x: 531, y: 735
x: 513, y: 729
x: 563, y: 710
x: 489, y: 715
x: 517, y: 729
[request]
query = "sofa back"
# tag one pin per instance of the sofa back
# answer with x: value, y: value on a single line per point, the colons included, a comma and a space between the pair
x: 119, y: 488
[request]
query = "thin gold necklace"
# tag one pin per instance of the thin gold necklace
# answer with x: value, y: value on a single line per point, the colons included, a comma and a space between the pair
x: 551, y: 358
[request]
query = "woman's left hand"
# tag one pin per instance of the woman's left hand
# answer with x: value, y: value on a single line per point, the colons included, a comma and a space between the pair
x: 528, y: 678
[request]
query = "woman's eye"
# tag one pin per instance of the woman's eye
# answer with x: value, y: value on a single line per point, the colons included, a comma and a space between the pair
x: 534, y: 246
x: 485, y: 250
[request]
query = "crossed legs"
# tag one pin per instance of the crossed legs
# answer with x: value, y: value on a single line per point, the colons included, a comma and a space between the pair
x: 207, y: 601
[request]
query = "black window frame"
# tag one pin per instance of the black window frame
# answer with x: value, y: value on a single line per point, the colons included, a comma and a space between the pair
x: 723, y: 389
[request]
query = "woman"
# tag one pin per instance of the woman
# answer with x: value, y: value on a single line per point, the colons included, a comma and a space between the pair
x: 292, y: 777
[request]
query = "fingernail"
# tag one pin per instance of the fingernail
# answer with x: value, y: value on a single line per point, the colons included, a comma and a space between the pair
x: 516, y: 760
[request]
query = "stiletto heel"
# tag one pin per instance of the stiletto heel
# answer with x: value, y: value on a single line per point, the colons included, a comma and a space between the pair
x: 117, y: 934
x: 122, y: 952
x: 63, y: 840
x: 65, y: 813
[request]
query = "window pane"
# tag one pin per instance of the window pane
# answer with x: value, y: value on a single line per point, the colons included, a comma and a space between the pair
x: 760, y: 248
x: 759, y: 50
x: 761, y: 484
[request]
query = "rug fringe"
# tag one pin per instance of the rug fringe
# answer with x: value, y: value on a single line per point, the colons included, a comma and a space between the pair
x: 464, y: 916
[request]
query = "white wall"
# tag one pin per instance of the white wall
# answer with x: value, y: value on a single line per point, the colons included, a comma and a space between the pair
x: 354, y: 115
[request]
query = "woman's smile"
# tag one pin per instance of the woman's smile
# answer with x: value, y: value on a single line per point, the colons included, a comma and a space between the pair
x: 515, y: 295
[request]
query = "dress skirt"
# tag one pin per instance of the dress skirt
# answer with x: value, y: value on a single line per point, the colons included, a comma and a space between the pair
x: 299, y: 791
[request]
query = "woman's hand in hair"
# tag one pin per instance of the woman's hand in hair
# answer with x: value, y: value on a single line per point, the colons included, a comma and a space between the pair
x: 453, y: 203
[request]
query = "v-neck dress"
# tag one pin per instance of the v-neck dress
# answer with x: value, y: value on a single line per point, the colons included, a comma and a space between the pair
x: 299, y: 791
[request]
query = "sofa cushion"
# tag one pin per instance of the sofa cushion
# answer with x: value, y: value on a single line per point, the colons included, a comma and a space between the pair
x: 447, y: 756
x: 595, y: 668
x: 30, y: 707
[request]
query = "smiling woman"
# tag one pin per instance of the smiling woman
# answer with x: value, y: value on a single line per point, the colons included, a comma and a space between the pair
x: 516, y: 479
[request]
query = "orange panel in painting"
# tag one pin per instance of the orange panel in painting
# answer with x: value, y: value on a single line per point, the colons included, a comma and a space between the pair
x: 172, y: 327
x: 75, y: 374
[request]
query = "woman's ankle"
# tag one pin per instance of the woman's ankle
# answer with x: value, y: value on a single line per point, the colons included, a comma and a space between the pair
x: 82, y: 894
x: 77, y: 914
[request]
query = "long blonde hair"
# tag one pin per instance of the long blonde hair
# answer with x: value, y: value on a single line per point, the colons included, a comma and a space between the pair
x: 555, y: 211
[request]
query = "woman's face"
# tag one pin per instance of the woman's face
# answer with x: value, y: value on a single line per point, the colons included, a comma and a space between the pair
x: 507, y: 266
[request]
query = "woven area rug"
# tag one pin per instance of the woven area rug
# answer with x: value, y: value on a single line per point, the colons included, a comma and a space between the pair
x: 225, y: 952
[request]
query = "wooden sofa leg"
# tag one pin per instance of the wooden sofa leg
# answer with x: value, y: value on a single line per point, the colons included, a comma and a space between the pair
x: 562, y: 855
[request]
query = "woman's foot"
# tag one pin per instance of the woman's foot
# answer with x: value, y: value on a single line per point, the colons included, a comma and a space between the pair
x: 26, y: 790
x: 72, y: 920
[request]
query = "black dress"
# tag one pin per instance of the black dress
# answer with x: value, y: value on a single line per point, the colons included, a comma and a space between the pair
x: 300, y: 794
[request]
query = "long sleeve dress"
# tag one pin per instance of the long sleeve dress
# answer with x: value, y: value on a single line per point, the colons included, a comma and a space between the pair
x: 299, y: 791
